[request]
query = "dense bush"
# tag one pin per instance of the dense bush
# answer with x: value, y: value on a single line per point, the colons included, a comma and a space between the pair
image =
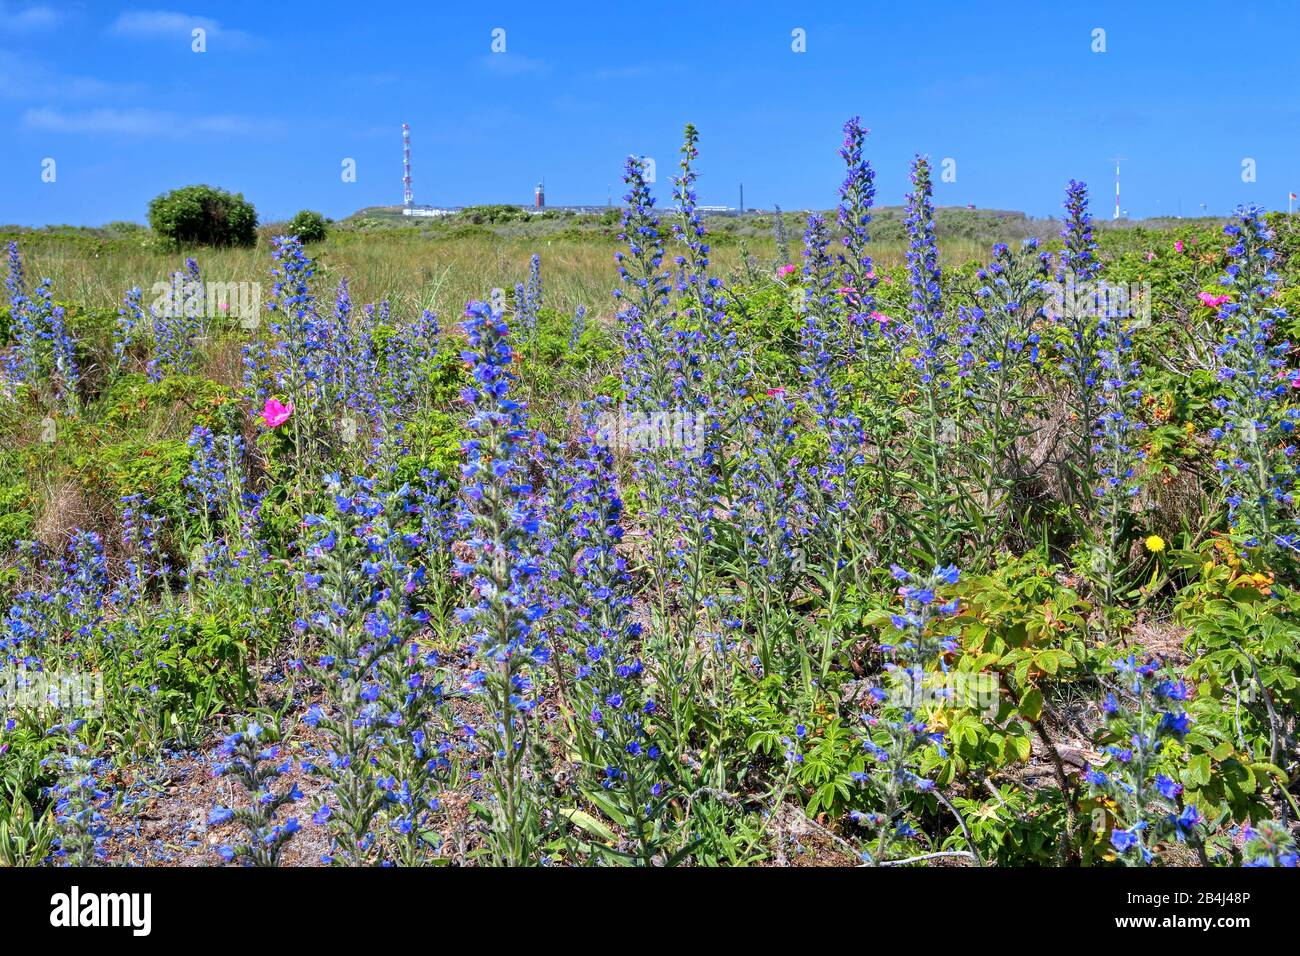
x: 308, y: 226
x: 204, y: 216
x: 492, y: 215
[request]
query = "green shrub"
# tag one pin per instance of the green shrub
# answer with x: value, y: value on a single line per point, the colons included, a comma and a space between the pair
x: 308, y: 226
x: 205, y: 216
x: 492, y: 215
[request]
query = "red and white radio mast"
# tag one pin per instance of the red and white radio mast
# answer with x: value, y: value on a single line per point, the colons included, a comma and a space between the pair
x: 408, y: 197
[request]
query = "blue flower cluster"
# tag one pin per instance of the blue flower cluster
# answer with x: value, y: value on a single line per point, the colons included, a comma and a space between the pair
x: 1137, y: 796
x: 1256, y: 438
x: 46, y: 350
x: 895, y: 738
x: 245, y: 757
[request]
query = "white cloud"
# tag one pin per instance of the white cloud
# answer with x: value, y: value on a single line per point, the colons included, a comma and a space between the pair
x: 639, y: 71
x: 513, y: 64
x: 146, y: 123
x: 150, y: 24
x: 23, y: 78
x: 27, y: 19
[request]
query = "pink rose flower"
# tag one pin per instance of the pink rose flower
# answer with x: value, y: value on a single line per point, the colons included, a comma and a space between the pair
x: 1178, y: 245
x: 1210, y: 300
x: 275, y: 414
x: 784, y: 271
x: 880, y: 318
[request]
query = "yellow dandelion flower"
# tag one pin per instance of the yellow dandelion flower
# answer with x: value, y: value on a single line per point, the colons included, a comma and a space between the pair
x: 1155, y: 544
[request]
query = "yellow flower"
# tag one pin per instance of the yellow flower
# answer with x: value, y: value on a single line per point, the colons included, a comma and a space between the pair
x: 1155, y: 544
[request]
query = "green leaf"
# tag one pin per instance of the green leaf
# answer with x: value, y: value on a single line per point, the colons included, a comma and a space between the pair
x: 585, y: 821
x: 1031, y: 705
x: 1198, y: 770
x: 1020, y: 746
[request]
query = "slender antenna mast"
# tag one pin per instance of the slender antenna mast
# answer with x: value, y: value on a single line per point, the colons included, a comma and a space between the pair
x: 1117, y: 161
x: 408, y: 197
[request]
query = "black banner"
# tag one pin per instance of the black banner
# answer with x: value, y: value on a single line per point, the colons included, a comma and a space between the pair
x: 168, y: 906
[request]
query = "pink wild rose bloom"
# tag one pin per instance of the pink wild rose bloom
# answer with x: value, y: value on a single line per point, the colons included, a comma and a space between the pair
x: 275, y: 414
x: 1210, y: 300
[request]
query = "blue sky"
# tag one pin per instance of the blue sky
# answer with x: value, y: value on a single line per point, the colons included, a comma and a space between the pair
x: 1011, y: 91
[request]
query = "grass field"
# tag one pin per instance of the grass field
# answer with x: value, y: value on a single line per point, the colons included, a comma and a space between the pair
x: 442, y: 265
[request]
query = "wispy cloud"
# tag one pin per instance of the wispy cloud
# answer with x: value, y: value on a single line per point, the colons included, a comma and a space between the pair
x: 151, y: 24
x: 27, y: 19
x: 147, y: 123
x: 639, y: 71
x: 513, y: 64
x: 25, y: 78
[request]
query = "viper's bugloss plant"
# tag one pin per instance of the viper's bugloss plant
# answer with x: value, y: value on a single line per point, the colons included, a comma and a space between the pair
x: 299, y: 342
x: 145, y: 562
x: 895, y: 733
x: 934, y: 427
x: 176, y: 328
x: 64, y: 348
x: 1116, y: 452
x: 256, y: 764
x: 856, y: 272
x: 1001, y: 331
x: 528, y: 299
x: 822, y: 368
x: 24, y: 365
x: 79, y: 804
x: 130, y: 325
x: 578, y: 327
x: 1076, y: 309
x: 207, y: 482
x: 782, y: 238
x: 382, y: 687
x: 772, y: 514
x: 296, y: 356
x: 46, y: 351
x: 1135, y: 795
x: 681, y: 366
x: 1256, y: 437
x: 643, y: 298
x: 498, y: 518
x: 614, y: 711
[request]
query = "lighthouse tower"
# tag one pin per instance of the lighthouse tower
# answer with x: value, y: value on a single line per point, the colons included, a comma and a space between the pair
x: 539, y: 195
